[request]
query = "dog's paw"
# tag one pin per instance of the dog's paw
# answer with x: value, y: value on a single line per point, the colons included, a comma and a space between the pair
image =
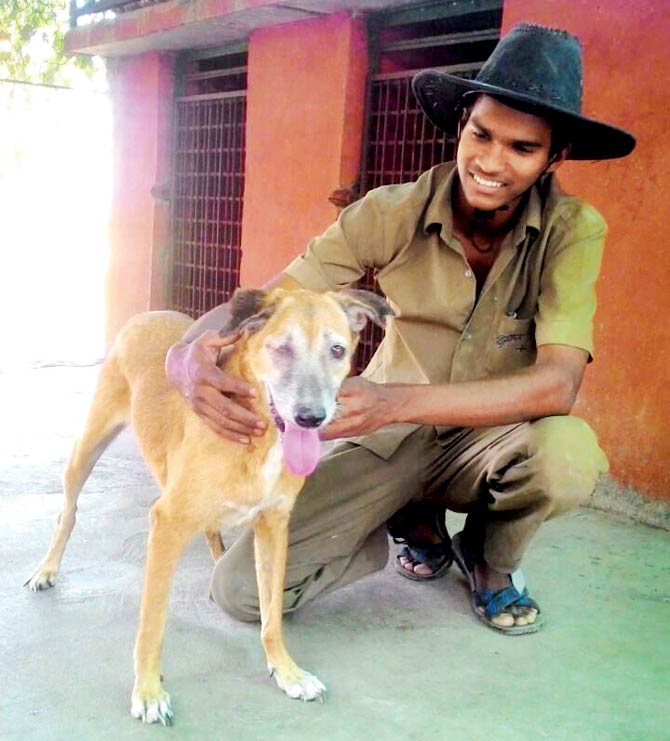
x: 300, y: 685
x: 152, y: 709
x: 42, y: 579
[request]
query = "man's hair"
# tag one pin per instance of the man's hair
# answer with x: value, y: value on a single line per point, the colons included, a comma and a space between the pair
x: 561, y: 136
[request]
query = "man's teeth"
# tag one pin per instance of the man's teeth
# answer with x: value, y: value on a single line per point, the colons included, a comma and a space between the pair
x: 487, y: 183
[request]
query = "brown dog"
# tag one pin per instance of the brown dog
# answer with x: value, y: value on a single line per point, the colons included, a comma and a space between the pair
x: 295, y: 348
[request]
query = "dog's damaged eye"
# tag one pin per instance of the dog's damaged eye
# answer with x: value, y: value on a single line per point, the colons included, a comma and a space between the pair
x: 281, y: 350
x: 337, y: 351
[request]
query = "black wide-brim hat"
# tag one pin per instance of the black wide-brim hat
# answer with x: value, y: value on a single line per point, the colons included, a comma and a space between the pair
x: 539, y: 68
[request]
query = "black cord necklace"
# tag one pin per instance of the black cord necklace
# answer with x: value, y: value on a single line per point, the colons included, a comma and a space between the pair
x: 479, y: 220
x: 483, y: 249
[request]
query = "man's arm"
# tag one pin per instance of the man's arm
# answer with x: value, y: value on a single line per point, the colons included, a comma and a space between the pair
x: 547, y: 388
x: 190, y: 366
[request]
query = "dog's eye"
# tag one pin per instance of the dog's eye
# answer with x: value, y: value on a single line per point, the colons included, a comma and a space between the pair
x: 282, y: 351
x: 337, y: 351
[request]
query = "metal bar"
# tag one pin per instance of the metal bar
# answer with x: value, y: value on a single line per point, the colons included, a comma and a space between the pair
x: 452, y: 69
x: 437, y: 10
x: 100, y: 6
x: 219, y: 254
x: 207, y: 171
x: 227, y: 154
x: 211, y: 52
x: 466, y: 37
x: 215, y: 74
x: 384, y: 138
x: 404, y: 93
x: 212, y: 96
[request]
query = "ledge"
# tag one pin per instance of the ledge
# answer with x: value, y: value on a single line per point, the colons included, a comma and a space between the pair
x: 196, y: 24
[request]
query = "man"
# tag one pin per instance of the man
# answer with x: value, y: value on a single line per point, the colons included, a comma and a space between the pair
x: 491, y: 270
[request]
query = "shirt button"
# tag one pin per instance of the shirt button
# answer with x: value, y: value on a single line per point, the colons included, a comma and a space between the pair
x: 468, y: 273
x: 467, y: 336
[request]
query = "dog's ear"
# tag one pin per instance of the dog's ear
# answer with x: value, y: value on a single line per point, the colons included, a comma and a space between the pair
x: 361, y: 306
x: 248, y: 311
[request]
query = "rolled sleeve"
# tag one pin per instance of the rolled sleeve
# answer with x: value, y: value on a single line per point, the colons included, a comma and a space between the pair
x: 340, y: 256
x: 567, y: 300
x: 368, y: 234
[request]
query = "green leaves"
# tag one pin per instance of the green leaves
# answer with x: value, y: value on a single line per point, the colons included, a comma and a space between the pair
x: 32, y: 48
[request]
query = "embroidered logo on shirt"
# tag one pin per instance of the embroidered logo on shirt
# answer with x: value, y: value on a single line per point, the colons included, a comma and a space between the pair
x: 503, y: 340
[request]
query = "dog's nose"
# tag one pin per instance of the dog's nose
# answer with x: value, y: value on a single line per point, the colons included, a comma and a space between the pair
x: 308, y: 417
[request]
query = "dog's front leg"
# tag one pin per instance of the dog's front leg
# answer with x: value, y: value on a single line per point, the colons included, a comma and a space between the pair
x: 271, y: 546
x: 166, y: 542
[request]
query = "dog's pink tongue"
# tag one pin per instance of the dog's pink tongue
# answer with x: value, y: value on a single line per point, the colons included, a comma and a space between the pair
x: 302, y: 449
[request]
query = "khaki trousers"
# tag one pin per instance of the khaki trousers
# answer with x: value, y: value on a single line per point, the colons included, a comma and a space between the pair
x: 508, y: 479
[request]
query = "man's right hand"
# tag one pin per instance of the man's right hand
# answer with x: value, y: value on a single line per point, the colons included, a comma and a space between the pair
x: 192, y: 368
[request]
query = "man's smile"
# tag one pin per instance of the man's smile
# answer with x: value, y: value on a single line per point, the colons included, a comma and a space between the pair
x: 485, y: 182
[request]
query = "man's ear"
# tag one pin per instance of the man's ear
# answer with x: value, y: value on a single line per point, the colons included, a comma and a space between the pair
x: 557, y: 160
x: 249, y: 311
x: 361, y: 306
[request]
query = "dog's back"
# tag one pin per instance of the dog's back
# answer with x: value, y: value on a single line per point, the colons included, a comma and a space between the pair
x: 152, y: 406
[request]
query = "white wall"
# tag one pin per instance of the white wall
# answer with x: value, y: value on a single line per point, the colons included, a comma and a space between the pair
x: 55, y: 187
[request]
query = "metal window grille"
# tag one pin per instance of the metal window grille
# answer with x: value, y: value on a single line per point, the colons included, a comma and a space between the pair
x: 401, y: 142
x: 208, y: 193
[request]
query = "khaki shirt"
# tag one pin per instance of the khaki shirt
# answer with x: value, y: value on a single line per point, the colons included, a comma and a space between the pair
x: 540, y: 290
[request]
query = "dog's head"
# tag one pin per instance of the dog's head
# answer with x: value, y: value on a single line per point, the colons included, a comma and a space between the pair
x: 299, y: 346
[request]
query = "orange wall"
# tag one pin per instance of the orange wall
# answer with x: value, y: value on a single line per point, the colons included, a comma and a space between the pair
x: 141, y: 90
x: 304, y: 130
x: 626, y: 395
x: 306, y: 84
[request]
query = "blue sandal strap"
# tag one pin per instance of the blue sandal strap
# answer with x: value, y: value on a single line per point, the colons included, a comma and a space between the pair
x: 433, y: 556
x: 496, y: 602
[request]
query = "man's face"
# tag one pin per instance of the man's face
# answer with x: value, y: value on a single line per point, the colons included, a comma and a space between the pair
x: 501, y: 153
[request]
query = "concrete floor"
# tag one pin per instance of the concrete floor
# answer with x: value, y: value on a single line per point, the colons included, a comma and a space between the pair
x: 401, y: 660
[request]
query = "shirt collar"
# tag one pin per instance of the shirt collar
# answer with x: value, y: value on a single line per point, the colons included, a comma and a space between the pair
x: 438, y: 214
x: 530, y: 218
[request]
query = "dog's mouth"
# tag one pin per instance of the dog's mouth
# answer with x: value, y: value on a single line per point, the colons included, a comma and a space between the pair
x: 301, y: 447
x: 278, y: 419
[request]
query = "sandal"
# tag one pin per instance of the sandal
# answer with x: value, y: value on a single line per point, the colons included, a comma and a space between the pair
x: 436, y: 556
x: 488, y: 604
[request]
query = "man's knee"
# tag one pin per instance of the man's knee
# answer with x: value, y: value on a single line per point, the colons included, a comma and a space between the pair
x: 567, y: 459
x: 235, y: 591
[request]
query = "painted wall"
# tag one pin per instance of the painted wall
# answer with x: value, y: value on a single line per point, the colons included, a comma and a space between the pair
x: 141, y: 92
x: 626, y: 395
x: 306, y: 95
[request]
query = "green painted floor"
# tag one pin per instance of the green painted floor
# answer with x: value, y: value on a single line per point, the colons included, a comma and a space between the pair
x: 401, y: 660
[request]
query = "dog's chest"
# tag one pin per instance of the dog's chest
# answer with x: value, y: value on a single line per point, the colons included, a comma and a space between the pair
x: 272, y: 466
x: 269, y: 494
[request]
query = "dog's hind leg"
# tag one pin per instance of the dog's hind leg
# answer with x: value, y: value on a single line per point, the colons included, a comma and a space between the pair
x: 108, y: 414
x: 215, y: 543
x: 271, y: 546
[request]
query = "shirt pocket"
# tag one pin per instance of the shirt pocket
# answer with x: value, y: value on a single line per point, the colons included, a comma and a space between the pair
x: 511, y: 345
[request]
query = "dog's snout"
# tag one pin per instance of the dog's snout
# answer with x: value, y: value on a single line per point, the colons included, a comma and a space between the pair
x: 310, y: 417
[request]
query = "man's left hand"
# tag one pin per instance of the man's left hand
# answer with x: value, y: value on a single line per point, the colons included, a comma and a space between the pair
x: 363, y: 407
